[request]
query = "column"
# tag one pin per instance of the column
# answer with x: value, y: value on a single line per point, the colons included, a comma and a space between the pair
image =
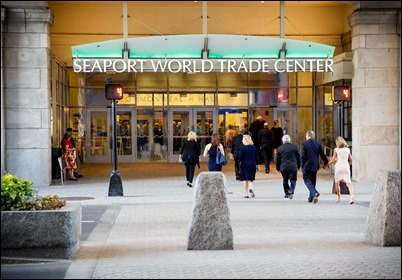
x: 375, y: 92
x: 26, y: 90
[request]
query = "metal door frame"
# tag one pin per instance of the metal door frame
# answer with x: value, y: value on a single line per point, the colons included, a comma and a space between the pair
x: 193, y: 111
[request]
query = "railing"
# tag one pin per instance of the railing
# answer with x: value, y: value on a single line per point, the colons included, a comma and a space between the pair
x: 329, y: 153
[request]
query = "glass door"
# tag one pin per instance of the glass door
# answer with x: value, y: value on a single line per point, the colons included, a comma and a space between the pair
x: 151, y: 135
x: 288, y: 122
x: 203, y: 121
x: 125, y: 132
x: 97, y: 144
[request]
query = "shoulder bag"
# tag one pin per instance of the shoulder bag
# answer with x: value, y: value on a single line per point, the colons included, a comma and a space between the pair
x: 220, y: 158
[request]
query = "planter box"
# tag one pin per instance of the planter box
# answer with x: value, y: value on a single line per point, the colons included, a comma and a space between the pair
x: 42, y: 233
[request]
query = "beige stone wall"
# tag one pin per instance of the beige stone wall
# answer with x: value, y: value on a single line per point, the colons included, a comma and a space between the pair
x: 26, y: 92
x: 375, y: 93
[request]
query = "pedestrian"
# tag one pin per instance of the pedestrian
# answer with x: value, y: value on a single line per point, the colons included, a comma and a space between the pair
x: 311, y: 151
x: 343, y: 159
x: 288, y: 163
x: 236, y: 145
x: 70, y: 155
x: 229, y: 135
x: 277, y: 134
x: 255, y: 127
x: 265, y: 144
x: 248, y: 158
x: 190, y: 156
x: 78, y: 157
x: 210, y: 151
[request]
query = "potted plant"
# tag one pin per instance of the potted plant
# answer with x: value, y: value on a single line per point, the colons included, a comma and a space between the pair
x: 37, y: 226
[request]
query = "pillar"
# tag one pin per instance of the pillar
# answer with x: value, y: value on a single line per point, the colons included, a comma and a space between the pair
x: 375, y: 92
x: 26, y: 90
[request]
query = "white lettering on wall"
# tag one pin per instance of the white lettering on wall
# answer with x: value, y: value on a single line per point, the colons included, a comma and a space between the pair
x: 202, y: 66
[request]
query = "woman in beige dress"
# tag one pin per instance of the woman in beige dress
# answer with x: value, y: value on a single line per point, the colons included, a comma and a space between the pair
x: 343, y: 160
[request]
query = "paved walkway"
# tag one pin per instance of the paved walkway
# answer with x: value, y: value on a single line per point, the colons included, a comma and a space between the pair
x: 143, y: 233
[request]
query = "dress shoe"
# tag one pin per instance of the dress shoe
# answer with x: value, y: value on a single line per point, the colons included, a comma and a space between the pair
x: 315, y: 199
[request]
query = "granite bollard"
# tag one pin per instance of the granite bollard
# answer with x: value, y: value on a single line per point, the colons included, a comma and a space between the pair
x: 210, y: 227
x: 383, y: 224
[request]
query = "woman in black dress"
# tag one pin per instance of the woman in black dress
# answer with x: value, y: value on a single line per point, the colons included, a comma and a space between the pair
x: 190, y: 156
x: 248, y: 158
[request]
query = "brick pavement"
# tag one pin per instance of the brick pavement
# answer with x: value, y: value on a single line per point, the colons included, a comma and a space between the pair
x: 143, y: 233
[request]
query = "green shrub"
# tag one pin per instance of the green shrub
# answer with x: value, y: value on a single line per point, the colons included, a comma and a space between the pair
x: 18, y: 194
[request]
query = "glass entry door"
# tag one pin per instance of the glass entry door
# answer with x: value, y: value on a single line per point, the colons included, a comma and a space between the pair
x: 203, y: 121
x: 98, y: 138
x: 97, y: 135
x: 288, y: 122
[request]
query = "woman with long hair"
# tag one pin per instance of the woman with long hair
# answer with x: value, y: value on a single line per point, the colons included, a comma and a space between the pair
x: 211, y: 151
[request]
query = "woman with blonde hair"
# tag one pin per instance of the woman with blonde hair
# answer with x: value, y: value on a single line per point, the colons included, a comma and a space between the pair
x: 190, y: 156
x: 248, y: 158
x: 343, y: 160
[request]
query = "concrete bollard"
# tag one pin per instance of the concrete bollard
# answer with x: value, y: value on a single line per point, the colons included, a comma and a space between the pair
x: 383, y: 224
x: 210, y: 227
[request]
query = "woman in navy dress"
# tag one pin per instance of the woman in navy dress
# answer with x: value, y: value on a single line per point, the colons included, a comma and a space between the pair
x: 211, y: 150
x: 248, y: 158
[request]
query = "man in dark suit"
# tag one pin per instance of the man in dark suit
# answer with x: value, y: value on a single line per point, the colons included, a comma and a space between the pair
x: 311, y: 151
x: 236, y: 144
x: 288, y: 163
x: 255, y: 127
x: 265, y: 141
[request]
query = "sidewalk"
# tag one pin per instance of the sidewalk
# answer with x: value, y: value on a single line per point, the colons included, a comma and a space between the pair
x: 143, y: 233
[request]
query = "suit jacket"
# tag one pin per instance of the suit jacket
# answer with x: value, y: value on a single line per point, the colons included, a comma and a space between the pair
x: 237, y: 143
x: 311, y: 151
x: 265, y: 139
x: 288, y: 158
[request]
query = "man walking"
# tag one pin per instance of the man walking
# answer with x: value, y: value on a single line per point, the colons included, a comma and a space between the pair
x: 288, y: 163
x: 265, y: 144
x: 311, y: 151
x: 236, y: 145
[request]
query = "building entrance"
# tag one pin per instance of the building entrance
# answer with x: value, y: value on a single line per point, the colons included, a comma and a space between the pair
x: 203, y: 121
x: 98, y: 139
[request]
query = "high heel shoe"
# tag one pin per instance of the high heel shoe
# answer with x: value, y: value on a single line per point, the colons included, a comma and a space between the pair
x: 338, y: 200
x: 352, y: 200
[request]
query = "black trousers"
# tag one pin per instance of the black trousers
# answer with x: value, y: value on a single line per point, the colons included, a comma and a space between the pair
x: 267, y: 154
x: 289, y: 176
x: 190, y: 168
x: 237, y: 166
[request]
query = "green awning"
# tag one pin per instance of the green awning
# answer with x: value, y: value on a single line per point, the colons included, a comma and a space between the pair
x: 204, y: 46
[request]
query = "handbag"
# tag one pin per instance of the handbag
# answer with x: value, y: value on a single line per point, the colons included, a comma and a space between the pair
x: 220, y: 158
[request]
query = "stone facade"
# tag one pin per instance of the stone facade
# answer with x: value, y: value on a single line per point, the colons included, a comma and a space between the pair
x: 376, y: 92
x: 25, y: 127
x: 25, y: 89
